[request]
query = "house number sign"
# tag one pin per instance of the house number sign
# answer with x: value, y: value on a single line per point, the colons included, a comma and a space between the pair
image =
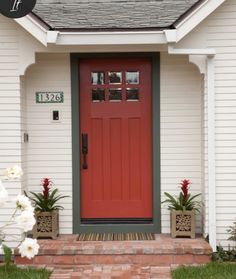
x: 49, y: 97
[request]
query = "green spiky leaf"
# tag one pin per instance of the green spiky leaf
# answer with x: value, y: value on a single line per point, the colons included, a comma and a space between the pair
x: 7, y: 254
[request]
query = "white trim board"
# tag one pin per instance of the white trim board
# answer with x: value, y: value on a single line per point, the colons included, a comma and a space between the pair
x: 37, y: 30
x: 196, y: 17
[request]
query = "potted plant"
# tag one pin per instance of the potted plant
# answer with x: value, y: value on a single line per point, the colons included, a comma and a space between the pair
x: 46, y: 210
x: 183, y: 209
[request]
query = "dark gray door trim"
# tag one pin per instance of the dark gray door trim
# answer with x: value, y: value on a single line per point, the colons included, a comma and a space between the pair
x: 155, y: 226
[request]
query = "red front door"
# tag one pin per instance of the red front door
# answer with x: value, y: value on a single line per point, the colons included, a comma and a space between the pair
x: 115, y: 115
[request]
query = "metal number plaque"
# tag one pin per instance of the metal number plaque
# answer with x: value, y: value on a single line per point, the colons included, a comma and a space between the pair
x: 49, y: 97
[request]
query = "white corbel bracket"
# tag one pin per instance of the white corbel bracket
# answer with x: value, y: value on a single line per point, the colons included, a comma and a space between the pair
x: 196, y: 56
x: 199, y: 61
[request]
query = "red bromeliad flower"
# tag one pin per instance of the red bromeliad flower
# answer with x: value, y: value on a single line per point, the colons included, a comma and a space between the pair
x: 184, y: 200
x: 46, y: 183
x: 185, y: 187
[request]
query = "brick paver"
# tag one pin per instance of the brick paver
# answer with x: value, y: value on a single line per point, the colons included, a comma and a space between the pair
x: 126, y: 271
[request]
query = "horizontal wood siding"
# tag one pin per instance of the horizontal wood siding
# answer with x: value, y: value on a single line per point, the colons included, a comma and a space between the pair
x: 10, y: 110
x: 49, y: 149
x: 218, y: 32
x: 180, y: 128
x: 221, y: 27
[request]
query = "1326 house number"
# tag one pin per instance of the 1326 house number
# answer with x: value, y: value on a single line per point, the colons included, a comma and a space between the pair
x: 49, y: 97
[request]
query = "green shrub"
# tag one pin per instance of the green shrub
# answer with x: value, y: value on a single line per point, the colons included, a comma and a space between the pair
x: 222, y: 255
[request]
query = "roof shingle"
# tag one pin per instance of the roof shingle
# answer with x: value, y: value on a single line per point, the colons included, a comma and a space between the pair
x: 111, y: 14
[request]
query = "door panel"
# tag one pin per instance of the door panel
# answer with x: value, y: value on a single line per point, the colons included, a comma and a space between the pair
x: 115, y: 113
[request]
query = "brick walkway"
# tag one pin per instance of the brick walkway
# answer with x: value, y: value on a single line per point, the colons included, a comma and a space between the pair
x: 125, y: 271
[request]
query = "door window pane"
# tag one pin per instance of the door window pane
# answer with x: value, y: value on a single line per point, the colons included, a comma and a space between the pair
x: 115, y: 94
x: 97, y: 78
x: 115, y: 77
x: 132, y: 94
x: 132, y: 77
x: 98, y: 95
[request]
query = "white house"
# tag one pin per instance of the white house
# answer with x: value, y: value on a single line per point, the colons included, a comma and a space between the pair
x: 117, y: 102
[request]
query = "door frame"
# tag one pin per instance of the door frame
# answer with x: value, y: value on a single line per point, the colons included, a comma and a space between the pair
x: 155, y: 226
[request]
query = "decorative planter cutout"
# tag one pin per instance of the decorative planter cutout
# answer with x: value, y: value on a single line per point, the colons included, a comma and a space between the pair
x: 47, y: 225
x: 183, y: 223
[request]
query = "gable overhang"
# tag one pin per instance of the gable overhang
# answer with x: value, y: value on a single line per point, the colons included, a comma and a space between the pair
x: 36, y: 28
x: 193, y: 19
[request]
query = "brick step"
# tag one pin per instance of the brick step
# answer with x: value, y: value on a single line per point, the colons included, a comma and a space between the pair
x: 152, y: 260
x: 122, y: 271
x: 111, y: 271
x: 164, y: 251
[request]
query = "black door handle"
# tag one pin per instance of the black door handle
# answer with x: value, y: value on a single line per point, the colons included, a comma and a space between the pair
x: 85, y: 150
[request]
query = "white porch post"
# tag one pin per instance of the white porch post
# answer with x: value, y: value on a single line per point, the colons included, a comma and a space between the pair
x: 211, y: 151
x: 195, y: 56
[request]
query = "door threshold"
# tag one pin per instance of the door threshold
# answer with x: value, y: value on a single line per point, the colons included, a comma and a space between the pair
x: 97, y: 221
x: 117, y: 228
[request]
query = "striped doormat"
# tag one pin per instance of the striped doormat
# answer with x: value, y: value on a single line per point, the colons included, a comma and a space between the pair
x: 115, y: 236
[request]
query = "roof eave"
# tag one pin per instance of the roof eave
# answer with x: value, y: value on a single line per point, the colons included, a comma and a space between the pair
x: 46, y: 35
x: 172, y: 34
